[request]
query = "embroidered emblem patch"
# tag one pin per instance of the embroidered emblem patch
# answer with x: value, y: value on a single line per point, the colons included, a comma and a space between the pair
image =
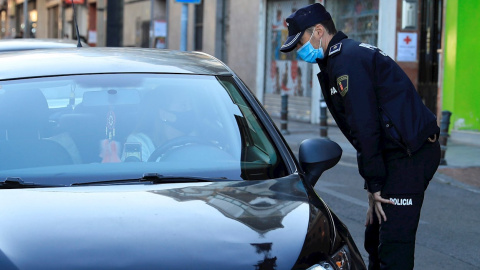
x: 335, y: 49
x: 342, y: 83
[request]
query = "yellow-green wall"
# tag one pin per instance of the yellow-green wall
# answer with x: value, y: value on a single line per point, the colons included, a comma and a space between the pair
x: 461, y: 86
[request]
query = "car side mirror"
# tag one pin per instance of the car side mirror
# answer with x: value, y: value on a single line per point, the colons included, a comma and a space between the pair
x: 316, y: 156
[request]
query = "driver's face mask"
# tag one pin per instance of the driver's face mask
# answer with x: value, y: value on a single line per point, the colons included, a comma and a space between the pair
x: 183, y: 121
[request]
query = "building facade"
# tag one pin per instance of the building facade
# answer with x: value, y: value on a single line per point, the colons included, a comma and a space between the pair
x: 423, y: 36
x: 461, y: 55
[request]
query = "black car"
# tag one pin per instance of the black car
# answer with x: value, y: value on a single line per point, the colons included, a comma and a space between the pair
x: 24, y: 44
x: 154, y: 159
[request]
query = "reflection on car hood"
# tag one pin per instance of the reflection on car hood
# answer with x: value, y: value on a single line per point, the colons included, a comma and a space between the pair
x: 232, y: 225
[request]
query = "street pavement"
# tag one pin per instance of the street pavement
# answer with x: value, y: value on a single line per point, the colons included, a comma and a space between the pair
x: 462, y: 167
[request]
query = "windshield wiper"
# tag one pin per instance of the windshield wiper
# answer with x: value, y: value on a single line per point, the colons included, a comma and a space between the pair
x: 154, y: 178
x: 17, y: 182
x: 159, y: 178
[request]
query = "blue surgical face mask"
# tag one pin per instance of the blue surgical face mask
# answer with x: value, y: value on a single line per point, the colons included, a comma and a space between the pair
x: 310, y: 54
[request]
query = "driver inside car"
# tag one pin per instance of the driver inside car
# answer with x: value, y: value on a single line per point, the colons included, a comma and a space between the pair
x: 165, y: 115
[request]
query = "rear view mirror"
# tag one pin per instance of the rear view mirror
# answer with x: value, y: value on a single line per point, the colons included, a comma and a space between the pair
x: 316, y: 156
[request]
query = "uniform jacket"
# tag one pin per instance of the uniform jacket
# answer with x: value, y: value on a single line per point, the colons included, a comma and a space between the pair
x: 374, y: 104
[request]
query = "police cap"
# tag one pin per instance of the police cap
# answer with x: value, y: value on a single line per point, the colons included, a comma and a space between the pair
x: 301, y: 20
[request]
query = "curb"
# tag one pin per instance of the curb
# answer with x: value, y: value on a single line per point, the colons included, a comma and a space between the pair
x: 442, y: 178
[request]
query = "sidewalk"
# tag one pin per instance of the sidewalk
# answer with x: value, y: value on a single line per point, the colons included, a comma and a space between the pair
x: 463, y: 159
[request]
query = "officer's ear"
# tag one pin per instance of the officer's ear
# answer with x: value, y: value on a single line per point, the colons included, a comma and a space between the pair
x: 319, y: 29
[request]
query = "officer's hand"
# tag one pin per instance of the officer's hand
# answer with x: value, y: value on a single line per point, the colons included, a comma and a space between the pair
x: 371, y: 209
x: 378, y: 206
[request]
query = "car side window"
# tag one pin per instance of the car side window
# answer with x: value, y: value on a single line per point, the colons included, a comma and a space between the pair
x: 259, y: 146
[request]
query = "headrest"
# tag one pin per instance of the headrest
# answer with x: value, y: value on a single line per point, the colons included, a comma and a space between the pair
x: 23, y: 109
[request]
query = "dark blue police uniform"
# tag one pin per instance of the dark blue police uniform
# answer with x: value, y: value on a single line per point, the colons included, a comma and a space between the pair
x: 377, y: 108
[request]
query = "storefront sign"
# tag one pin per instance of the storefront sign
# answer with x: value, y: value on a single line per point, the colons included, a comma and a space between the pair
x: 92, y: 37
x: 407, y: 47
x: 189, y: 1
x: 80, y: 2
x: 160, y: 33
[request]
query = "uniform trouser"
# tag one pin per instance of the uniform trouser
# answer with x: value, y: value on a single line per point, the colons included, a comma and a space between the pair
x: 391, y: 245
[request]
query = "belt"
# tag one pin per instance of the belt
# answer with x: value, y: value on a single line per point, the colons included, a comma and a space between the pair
x: 432, y: 138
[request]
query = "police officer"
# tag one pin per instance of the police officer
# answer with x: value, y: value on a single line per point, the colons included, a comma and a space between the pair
x: 378, y: 110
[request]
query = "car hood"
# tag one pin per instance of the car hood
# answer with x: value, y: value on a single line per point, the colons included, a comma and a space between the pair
x: 231, y: 225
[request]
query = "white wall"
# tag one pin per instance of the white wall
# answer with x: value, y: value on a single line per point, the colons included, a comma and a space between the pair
x: 387, y: 29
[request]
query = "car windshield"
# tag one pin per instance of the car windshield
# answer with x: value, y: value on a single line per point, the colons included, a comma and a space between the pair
x: 85, y: 128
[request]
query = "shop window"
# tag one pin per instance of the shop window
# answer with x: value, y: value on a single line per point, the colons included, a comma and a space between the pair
x: 357, y: 19
x: 286, y: 74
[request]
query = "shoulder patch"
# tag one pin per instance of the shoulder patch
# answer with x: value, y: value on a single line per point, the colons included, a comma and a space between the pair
x: 335, y: 49
x: 368, y: 46
x: 342, y: 83
x: 373, y: 48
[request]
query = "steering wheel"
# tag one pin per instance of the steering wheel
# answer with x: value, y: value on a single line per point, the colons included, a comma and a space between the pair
x: 177, y: 142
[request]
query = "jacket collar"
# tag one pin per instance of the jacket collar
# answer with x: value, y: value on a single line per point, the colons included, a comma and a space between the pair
x: 339, y: 36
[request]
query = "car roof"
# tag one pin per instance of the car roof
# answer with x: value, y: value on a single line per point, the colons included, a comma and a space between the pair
x: 22, y: 44
x: 95, y: 60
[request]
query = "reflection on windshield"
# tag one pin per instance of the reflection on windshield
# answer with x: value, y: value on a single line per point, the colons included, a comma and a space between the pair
x: 197, y: 121
x: 259, y: 206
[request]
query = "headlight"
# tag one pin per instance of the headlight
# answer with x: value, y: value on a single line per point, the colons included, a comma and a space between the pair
x: 339, y: 261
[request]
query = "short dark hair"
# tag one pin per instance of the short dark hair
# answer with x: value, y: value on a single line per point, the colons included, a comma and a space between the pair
x: 329, y: 26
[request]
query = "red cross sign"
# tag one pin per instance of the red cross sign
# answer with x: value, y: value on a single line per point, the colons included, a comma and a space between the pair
x: 407, y: 40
